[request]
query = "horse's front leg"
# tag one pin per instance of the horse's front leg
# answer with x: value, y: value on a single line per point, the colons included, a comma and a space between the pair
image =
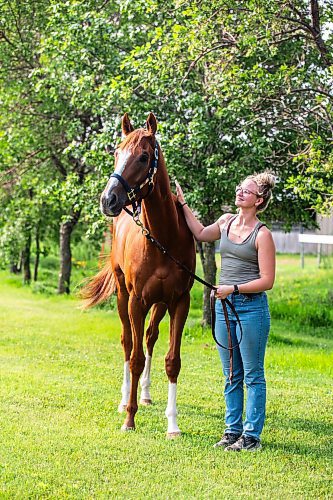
x: 157, y: 315
x: 137, y: 314
x: 178, y: 314
x: 126, y: 338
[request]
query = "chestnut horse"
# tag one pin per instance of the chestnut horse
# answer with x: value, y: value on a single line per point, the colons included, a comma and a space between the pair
x: 144, y: 277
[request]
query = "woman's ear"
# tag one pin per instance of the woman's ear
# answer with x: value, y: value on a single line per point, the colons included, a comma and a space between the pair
x: 126, y: 125
x: 259, y: 202
x: 151, y: 124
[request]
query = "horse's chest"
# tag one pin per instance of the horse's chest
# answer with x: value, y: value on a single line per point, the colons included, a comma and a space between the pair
x: 150, y: 275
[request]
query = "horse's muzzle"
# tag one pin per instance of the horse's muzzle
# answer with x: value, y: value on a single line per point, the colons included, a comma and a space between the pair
x: 111, y: 205
x: 113, y: 198
x: 109, y: 210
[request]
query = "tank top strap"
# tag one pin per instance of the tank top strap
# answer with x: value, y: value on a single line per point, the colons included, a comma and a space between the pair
x: 228, y: 224
x: 254, y: 233
x: 258, y: 227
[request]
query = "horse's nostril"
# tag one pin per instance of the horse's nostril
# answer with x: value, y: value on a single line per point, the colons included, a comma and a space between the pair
x: 104, y: 202
x: 113, y: 200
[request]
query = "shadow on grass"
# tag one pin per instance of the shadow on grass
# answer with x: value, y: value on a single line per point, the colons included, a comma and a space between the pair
x: 201, y: 429
x: 316, y: 450
x: 294, y: 328
x: 302, y: 436
x: 196, y: 411
x: 303, y: 424
x: 276, y: 339
x: 296, y: 436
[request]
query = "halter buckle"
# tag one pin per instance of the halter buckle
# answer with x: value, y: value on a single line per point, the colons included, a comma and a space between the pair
x: 131, y: 195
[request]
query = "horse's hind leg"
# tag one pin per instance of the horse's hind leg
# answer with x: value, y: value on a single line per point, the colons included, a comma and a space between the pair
x: 126, y: 339
x: 157, y: 314
x: 178, y: 314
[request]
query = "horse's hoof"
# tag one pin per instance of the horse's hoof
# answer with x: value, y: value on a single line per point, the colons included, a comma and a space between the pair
x: 126, y: 428
x: 146, y: 402
x: 173, y: 435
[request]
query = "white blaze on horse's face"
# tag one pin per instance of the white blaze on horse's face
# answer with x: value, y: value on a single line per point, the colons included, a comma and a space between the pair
x: 122, y: 159
x: 114, y: 197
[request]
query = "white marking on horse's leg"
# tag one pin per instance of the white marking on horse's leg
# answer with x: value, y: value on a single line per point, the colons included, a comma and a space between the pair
x: 171, y: 411
x: 125, y: 388
x: 145, y: 382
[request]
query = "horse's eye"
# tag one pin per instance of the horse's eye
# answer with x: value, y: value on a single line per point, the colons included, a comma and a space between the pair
x: 144, y: 157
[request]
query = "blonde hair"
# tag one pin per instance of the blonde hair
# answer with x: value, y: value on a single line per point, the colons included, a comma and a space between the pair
x: 266, y: 183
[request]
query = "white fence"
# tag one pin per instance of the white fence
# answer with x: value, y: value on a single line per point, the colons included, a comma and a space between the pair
x: 290, y: 243
x: 318, y: 239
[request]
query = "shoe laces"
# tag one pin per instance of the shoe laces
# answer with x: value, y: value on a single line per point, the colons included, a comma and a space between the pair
x: 248, y: 440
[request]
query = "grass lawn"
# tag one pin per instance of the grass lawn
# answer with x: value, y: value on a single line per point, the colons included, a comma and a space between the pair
x: 61, y: 373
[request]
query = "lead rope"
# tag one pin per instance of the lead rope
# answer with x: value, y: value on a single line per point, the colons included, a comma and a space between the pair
x: 230, y: 348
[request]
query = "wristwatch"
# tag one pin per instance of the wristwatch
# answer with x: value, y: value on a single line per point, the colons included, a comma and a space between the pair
x: 236, y: 290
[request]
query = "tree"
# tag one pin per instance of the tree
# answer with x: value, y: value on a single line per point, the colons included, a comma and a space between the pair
x: 239, y: 72
x: 237, y: 86
x: 46, y: 131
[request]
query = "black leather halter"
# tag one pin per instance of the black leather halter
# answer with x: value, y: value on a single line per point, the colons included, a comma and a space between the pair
x: 134, y: 193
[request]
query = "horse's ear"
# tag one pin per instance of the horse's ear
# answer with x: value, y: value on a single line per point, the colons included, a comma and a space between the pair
x: 151, y: 124
x: 126, y: 125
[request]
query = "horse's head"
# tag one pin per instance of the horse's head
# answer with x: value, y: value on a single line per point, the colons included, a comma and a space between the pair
x: 135, y: 165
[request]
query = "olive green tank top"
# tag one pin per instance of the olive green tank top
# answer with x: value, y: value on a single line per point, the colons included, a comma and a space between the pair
x: 239, y: 261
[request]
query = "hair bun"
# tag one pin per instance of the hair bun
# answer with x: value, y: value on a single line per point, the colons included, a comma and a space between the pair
x: 266, y: 179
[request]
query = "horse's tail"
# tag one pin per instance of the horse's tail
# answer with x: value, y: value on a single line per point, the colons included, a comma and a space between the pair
x: 99, y: 288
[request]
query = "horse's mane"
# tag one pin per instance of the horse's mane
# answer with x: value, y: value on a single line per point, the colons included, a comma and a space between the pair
x: 133, y: 139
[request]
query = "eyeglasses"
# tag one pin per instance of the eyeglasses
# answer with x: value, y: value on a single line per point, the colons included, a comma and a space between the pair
x: 245, y: 191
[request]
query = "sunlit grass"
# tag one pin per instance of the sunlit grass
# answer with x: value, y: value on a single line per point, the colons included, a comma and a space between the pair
x: 61, y: 373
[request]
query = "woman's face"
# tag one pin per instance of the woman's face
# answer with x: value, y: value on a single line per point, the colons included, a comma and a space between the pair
x: 246, y: 194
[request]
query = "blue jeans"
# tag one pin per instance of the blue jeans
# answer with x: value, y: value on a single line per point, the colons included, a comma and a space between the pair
x: 248, y: 362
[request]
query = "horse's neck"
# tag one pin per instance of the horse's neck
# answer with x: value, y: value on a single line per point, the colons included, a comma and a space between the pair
x: 158, y: 209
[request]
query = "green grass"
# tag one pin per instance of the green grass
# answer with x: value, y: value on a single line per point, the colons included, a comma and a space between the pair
x: 61, y: 372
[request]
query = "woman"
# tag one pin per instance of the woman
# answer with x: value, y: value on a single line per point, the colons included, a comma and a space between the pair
x: 248, y: 270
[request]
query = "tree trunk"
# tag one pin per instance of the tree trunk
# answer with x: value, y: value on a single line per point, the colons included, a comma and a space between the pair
x: 13, y: 268
x: 19, y: 267
x: 209, y: 268
x: 66, y: 229
x: 26, y: 261
x: 37, y: 253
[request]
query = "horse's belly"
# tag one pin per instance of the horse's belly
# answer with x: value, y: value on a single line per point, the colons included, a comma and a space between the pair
x: 162, y: 286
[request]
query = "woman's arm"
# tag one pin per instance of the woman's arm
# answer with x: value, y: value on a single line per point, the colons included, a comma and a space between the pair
x: 266, y: 261
x: 200, y: 232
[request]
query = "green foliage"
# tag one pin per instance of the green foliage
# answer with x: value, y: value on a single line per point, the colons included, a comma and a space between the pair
x: 312, y: 312
x: 237, y: 90
x: 237, y: 87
